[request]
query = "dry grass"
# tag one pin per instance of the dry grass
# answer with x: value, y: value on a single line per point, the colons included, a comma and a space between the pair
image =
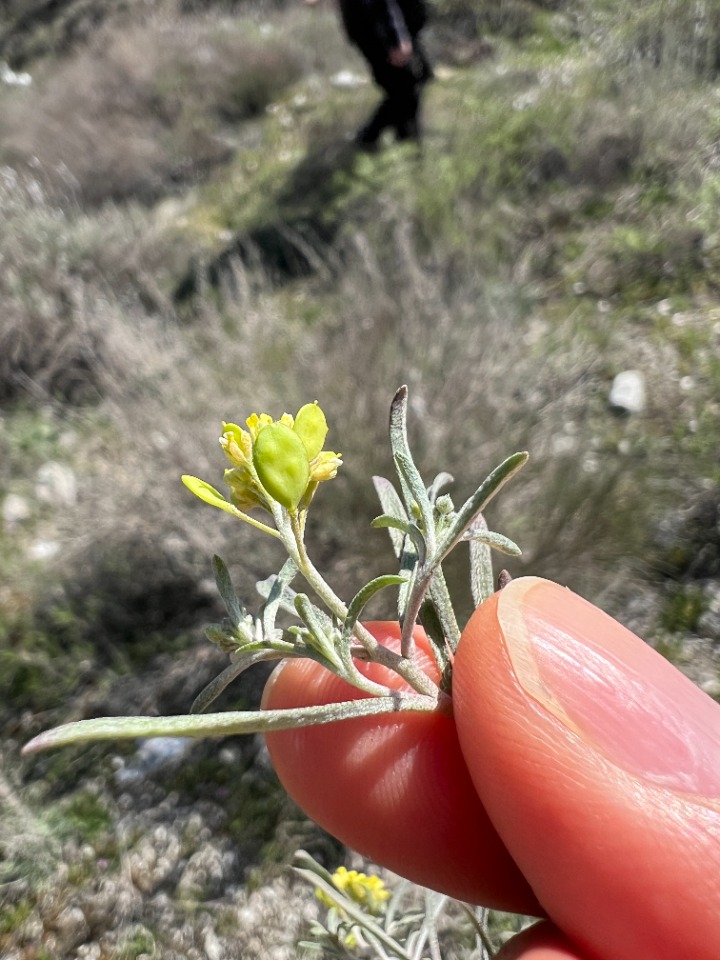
x: 137, y: 113
x: 670, y: 35
x: 72, y: 287
x: 486, y: 378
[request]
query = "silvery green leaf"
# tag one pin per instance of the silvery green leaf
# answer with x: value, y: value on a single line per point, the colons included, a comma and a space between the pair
x: 363, y: 596
x: 430, y: 620
x: 413, y: 485
x: 408, y: 528
x: 477, y: 502
x: 392, y: 506
x: 236, y: 611
x: 482, y: 582
x: 441, y: 481
x: 219, y: 724
x: 497, y: 541
x: 439, y: 597
x: 321, y: 634
x: 279, y: 596
x: 213, y: 690
x: 410, y: 480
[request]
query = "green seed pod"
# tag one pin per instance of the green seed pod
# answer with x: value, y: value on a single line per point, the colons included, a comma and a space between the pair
x: 281, y: 462
x: 311, y: 426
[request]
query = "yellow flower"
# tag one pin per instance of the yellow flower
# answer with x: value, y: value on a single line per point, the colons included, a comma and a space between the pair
x: 369, y: 892
x: 273, y: 460
x: 324, y: 466
x: 237, y: 444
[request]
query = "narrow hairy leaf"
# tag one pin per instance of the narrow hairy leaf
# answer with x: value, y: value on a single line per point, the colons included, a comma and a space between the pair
x: 213, y: 690
x: 441, y: 481
x: 236, y: 611
x: 413, y: 483
x: 477, y: 502
x: 277, y: 594
x: 319, y: 628
x: 392, y: 506
x: 408, y: 474
x: 406, y: 527
x: 362, y: 597
x: 497, y: 541
x: 482, y: 581
x: 222, y: 724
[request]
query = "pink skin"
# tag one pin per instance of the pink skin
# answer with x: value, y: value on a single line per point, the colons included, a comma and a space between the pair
x: 581, y: 756
x: 395, y: 788
x: 605, y: 781
x: 400, y: 56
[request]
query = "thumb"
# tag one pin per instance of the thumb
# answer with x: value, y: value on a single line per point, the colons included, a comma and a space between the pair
x: 605, y: 772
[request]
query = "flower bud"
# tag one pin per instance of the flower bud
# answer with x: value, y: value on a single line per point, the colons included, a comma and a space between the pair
x: 236, y: 443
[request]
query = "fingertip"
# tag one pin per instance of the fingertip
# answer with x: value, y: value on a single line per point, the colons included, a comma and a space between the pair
x: 541, y: 941
x: 599, y: 765
x: 395, y: 788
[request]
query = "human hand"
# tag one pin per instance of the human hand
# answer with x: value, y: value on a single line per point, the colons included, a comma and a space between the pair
x: 400, y: 56
x: 579, y: 779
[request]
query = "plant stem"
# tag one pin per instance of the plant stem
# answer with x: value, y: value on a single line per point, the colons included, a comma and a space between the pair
x: 407, y: 668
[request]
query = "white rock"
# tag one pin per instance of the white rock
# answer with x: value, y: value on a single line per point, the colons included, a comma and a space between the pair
x: 44, y: 549
x: 89, y: 951
x: 15, y: 509
x: 627, y: 394
x: 55, y: 483
x: 709, y: 624
x: 71, y: 927
x: 711, y: 686
x: 152, y: 755
x: 13, y: 79
x: 348, y: 80
x: 213, y: 947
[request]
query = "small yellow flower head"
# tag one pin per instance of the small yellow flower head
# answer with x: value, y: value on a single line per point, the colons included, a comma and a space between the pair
x: 369, y: 892
x: 273, y: 460
x: 324, y: 466
x: 237, y: 444
x: 255, y: 422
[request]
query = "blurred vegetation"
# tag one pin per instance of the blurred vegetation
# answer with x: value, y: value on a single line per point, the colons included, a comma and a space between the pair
x: 560, y: 225
x: 188, y: 238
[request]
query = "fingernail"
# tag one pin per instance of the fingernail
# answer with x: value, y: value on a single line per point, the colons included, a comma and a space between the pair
x: 610, y: 689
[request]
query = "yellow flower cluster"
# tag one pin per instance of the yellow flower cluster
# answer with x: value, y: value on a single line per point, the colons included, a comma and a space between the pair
x: 369, y: 892
x: 280, y: 460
